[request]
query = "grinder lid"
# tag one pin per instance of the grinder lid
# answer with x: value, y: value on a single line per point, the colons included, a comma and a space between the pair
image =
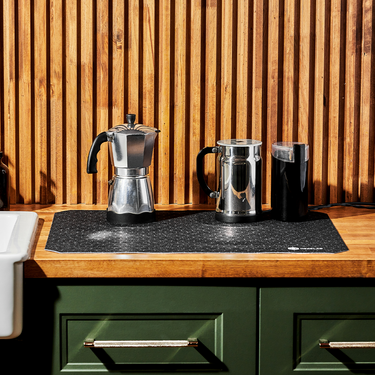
x: 290, y: 151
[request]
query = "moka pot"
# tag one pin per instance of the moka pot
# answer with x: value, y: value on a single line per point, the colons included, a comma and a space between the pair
x: 130, y: 198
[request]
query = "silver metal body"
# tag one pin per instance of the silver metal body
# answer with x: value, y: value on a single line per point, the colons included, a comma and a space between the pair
x: 131, y: 153
x: 130, y: 191
x: 240, y: 178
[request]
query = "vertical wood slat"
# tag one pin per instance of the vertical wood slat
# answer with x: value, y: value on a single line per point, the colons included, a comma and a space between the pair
x: 118, y: 61
x: 288, y: 79
x: 227, y: 115
x: 41, y: 99
x: 257, y: 72
x: 148, y: 110
x: 200, y: 72
x: 9, y: 100
x: 164, y: 101
x: 87, y: 92
x: 304, y: 73
x: 56, y: 97
x: 334, y: 103
x: 25, y: 103
x: 367, y: 119
x: 102, y: 94
x: 272, y: 87
x: 196, y: 95
x: 351, y: 100
x: 242, y: 87
x: 319, y: 151
x: 211, y: 90
x: 180, y: 125
x: 71, y: 108
x: 133, y: 56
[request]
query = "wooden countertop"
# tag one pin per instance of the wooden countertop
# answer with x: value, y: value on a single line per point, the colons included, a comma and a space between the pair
x: 356, y: 227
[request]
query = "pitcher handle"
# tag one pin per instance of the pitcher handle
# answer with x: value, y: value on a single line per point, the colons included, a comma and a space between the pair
x: 202, y: 182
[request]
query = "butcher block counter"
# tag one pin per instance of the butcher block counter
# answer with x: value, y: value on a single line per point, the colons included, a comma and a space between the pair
x: 241, y: 309
x: 356, y: 227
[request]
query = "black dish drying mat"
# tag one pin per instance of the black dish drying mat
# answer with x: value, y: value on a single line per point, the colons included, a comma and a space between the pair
x: 191, y: 232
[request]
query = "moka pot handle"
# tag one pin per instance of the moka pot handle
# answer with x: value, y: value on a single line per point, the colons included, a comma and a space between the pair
x: 95, y: 148
x: 201, y: 154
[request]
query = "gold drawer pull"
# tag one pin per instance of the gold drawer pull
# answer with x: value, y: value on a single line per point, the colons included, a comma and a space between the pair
x: 90, y: 343
x: 325, y: 344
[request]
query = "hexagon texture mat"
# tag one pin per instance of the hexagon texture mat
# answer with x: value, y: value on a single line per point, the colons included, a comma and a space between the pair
x: 191, y: 232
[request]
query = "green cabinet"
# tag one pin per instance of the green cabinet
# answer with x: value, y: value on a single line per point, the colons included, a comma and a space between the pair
x: 221, y: 318
x: 242, y: 326
x: 293, y: 320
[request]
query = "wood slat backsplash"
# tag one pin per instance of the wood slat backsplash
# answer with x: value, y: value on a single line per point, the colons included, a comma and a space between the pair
x: 200, y: 71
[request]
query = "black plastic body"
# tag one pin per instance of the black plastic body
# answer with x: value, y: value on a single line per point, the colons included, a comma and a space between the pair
x: 95, y: 148
x: 4, y: 187
x: 126, y: 218
x: 201, y: 154
x: 289, y: 190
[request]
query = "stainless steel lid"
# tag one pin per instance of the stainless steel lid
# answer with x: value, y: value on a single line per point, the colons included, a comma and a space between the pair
x: 239, y: 142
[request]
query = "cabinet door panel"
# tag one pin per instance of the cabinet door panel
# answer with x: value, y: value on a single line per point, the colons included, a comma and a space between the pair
x: 294, y: 320
x: 222, y: 319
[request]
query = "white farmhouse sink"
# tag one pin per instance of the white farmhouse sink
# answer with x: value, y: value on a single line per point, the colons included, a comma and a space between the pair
x: 17, y: 233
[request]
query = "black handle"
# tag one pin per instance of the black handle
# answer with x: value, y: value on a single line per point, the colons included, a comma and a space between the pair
x: 202, y: 182
x: 95, y: 148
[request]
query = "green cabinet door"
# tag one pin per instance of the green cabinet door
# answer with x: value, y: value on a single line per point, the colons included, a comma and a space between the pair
x: 294, y: 320
x: 62, y: 315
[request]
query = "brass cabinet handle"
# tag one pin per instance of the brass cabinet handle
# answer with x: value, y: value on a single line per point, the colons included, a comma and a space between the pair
x: 325, y: 344
x: 90, y: 343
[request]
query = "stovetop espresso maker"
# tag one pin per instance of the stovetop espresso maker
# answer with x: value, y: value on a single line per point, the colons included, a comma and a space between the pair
x: 130, y: 198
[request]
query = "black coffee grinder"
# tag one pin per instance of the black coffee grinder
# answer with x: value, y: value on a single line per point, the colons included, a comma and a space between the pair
x: 289, y: 190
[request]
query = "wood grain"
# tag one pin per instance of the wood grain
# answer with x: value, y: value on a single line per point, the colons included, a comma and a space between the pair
x: 71, y: 108
x: 118, y: 62
x: 272, y: 88
x: 319, y: 99
x: 196, y: 92
x: 354, y: 225
x: 288, y: 70
x: 102, y: 95
x: 87, y: 96
x: 148, y: 110
x: 200, y: 71
x: 351, y: 100
x: 257, y: 73
x: 56, y: 96
x: 10, y: 102
x: 212, y: 89
x: 41, y: 102
x: 133, y: 51
x: 243, y: 96
x: 334, y: 148
x: 366, y: 147
x: 180, y: 110
x: 25, y: 130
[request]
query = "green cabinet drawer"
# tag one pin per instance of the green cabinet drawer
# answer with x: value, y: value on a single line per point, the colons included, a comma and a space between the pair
x: 140, y: 329
x: 294, y: 320
x: 222, y: 319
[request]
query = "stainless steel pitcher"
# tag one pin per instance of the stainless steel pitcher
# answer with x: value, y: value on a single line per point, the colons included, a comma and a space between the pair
x: 239, y: 193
